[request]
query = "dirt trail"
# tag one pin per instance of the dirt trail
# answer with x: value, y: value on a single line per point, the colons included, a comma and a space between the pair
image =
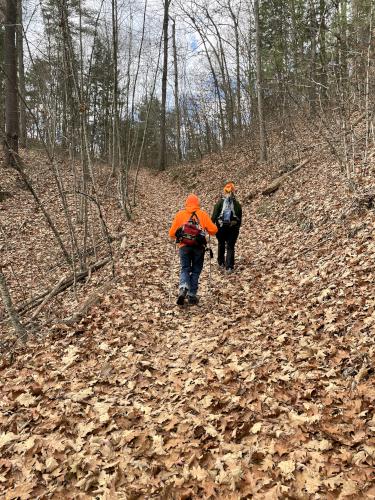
x: 233, y: 398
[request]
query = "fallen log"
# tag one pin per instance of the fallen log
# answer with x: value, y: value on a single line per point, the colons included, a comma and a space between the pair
x: 274, y: 186
x: 92, y: 249
x: 48, y: 297
x: 249, y: 197
x: 62, y: 286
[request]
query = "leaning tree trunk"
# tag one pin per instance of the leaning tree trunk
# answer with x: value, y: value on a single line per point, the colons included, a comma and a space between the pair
x: 11, y: 97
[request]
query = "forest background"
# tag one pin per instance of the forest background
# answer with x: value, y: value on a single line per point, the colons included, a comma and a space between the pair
x: 204, y: 72
x: 109, y: 109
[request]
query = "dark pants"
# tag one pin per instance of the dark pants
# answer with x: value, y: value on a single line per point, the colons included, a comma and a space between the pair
x: 191, y: 259
x: 226, y: 237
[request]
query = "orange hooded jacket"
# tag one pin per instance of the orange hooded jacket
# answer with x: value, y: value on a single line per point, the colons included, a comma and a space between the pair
x: 192, y: 205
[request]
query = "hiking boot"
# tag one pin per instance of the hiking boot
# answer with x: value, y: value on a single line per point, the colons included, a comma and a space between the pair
x: 181, y: 296
x: 193, y: 300
x: 230, y: 270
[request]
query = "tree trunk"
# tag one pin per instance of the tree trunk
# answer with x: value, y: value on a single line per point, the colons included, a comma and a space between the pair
x: 262, y: 131
x: 238, y: 68
x: 163, y: 142
x: 343, y: 32
x: 323, y: 51
x: 8, y: 305
x: 2, y: 81
x: 226, y: 80
x: 11, y: 97
x: 21, y: 76
x: 238, y: 81
x: 176, y: 95
x: 312, y: 84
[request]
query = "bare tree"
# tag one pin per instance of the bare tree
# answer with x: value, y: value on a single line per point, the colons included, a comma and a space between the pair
x: 221, y: 58
x: 21, y: 76
x: 2, y: 11
x: 234, y: 17
x: 214, y: 75
x: 163, y: 141
x: 2, y: 21
x: 262, y: 129
x: 11, y: 95
x: 176, y: 94
x: 313, y: 31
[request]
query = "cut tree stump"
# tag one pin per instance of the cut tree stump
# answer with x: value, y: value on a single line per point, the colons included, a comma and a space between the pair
x: 274, y: 186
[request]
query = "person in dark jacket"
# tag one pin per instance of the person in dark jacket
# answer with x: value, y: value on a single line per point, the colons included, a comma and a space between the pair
x: 227, y: 215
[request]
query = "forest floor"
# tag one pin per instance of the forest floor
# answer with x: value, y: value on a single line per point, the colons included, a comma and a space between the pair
x: 264, y: 390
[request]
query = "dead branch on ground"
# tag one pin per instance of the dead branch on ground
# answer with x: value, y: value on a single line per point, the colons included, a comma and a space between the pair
x: 66, y: 283
x: 274, y: 186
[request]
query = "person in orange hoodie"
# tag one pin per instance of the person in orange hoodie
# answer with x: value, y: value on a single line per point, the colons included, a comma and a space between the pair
x: 188, y: 228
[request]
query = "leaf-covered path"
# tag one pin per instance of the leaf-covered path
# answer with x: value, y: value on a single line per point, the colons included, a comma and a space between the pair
x: 255, y: 393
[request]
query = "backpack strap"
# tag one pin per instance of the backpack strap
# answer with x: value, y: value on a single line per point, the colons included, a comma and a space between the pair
x: 234, y: 207
x: 196, y: 218
x: 222, y: 207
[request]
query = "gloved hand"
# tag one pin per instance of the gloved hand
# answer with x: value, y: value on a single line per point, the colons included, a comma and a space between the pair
x: 178, y: 233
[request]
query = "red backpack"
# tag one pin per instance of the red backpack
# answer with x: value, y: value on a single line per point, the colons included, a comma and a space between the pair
x: 191, y: 233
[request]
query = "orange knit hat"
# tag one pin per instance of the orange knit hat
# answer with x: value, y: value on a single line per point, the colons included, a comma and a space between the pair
x: 229, y: 188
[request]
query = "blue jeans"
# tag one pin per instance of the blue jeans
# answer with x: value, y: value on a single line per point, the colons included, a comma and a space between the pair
x: 191, y: 259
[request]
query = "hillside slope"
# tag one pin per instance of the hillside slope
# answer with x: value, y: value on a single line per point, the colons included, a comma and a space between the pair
x: 265, y: 390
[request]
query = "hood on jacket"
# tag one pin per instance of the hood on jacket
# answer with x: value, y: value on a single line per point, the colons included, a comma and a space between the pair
x: 192, y: 203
